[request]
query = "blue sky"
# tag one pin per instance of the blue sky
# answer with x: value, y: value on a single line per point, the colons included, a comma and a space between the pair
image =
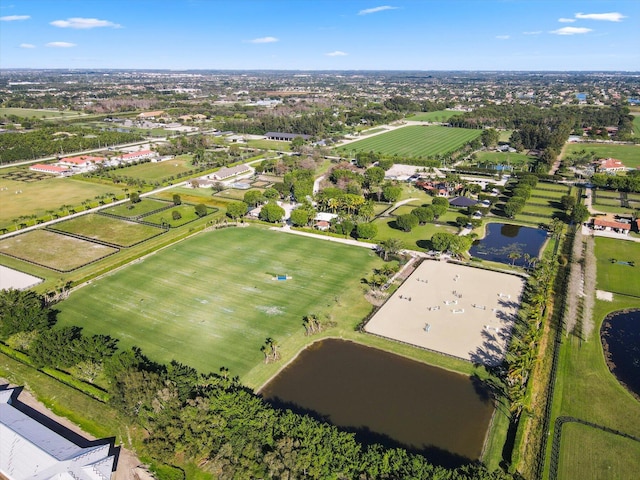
x: 321, y: 34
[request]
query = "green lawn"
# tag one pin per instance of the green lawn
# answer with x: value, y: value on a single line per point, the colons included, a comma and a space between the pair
x: 417, y: 239
x: 106, y: 229
x: 437, y: 116
x: 414, y: 141
x: 628, y: 154
x: 62, y: 252
x: 615, y: 277
x: 636, y: 125
x: 606, y: 460
x: 129, y: 210
x: 586, y: 389
x: 210, y: 301
x: 155, y: 172
x: 38, y: 113
x: 37, y: 198
x: 270, y: 145
x: 187, y: 214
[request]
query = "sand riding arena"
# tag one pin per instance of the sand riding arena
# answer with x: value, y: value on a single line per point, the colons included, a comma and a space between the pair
x: 453, y: 309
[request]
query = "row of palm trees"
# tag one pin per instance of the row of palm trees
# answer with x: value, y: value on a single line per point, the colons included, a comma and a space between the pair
x: 523, y: 349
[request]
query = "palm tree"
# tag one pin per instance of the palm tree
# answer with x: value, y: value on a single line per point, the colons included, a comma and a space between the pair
x: 390, y: 246
x: 514, y: 256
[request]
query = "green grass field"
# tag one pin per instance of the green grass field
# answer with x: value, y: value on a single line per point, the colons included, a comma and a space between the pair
x: 187, y: 213
x: 210, y: 301
x: 106, y: 229
x: 270, y: 145
x: 628, y: 154
x: 154, y: 172
x: 607, y: 463
x: 129, y: 210
x: 636, y: 125
x: 615, y: 277
x: 586, y: 389
x: 37, y: 198
x: 437, y: 116
x: 414, y: 141
x: 38, y: 113
x: 62, y: 252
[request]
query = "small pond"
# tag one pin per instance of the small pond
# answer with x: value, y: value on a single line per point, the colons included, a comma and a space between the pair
x: 620, y: 335
x: 503, y: 238
x: 387, y: 399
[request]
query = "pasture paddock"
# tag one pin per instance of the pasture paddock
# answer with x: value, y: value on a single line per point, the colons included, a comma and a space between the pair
x: 62, y: 253
x: 605, y: 461
x: 49, y: 194
x: 477, y: 327
x: 113, y: 231
x: 436, y: 116
x: 628, y: 154
x: 156, y: 171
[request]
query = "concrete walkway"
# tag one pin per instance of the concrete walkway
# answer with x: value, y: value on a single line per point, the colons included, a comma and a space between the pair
x: 345, y: 241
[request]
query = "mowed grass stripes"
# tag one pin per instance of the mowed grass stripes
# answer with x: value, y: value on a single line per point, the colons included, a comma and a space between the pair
x: 415, y: 141
x: 211, y: 300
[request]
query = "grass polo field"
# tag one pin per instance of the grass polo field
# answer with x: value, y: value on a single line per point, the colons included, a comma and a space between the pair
x: 415, y: 141
x: 211, y: 300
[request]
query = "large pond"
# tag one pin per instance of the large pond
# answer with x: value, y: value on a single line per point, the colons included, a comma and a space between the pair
x: 620, y: 336
x: 504, y: 238
x: 387, y: 399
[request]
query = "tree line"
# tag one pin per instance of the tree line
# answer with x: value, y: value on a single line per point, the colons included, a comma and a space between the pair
x: 50, y: 141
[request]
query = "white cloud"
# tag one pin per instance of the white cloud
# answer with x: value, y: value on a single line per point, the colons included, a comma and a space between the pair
x: 566, y: 20
x: 571, y: 31
x: 607, y: 17
x: 27, y: 45
x: 84, y: 23
x: 382, y: 8
x: 537, y: 32
x: 14, y: 18
x: 503, y: 37
x: 61, y: 44
x: 337, y: 53
x: 264, y: 40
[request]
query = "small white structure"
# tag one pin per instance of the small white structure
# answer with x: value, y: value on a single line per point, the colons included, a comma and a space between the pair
x: 30, y: 450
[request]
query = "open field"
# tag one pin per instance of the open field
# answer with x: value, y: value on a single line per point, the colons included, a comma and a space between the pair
x: 106, y: 229
x: 636, y: 125
x: 37, y: 198
x: 154, y: 172
x: 194, y: 195
x: 62, y: 252
x: 437, y: 116
x: 628, y: 154
x: 210, y: 301
x: 38, y: 113
x: 270, y: 145
x: 616, y: 277
x: 605, y: 461
x: 457, y: 310
x: 586, y: 389
x: 414, y: 141
x: 130, y: 210
x: 187, y: 214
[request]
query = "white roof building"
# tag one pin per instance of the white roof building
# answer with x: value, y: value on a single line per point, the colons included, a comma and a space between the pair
x: 30, y: 450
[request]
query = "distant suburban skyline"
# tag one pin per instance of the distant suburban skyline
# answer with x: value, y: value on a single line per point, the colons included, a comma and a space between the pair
x: 321, y: 34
